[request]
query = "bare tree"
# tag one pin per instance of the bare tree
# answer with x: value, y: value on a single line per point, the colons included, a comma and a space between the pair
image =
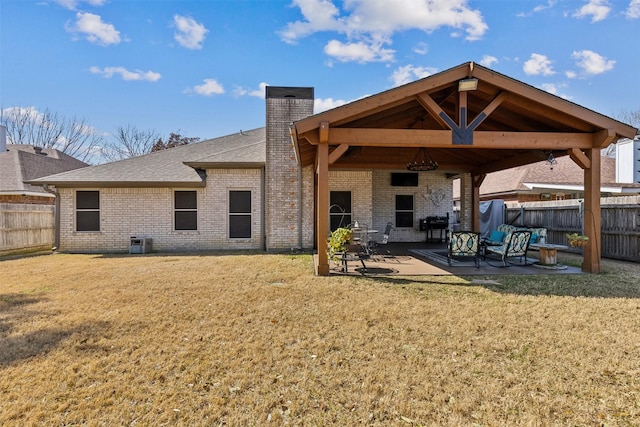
x: 630, y: 117
x: 47, y: 129
x: 129, y: 141
x: 175, y: 140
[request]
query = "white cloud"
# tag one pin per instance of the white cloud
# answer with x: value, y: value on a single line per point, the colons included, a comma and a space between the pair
x: 94, y: 29
x: 421, y: 48
x: 320, y: 105
x: 73, y: 4
x: 538, y: 65
x: 591, y: 62
x: 208, y: 88
x: 258, y: 93
x: 189, y: 34
x: 554, y: 89
x: 597, y: 9
x: 109, y: 72
x: 373, y: 23
x: 571, y: 74
x: 538, y: 8
x: 359, y: 52
x: 409, y: 73
x: 488, y: 61
x: 633, y: 12
x: 541, y: 7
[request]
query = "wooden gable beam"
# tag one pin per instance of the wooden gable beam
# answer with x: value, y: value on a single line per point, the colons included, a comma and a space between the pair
x: 603, y: 138
x: 372, y: 137
x: 335, y: 155
x: 381, y: 101
x: 434, y: 109
x: 579, y: 158
x: 573, y: 112
x: 495, y: 103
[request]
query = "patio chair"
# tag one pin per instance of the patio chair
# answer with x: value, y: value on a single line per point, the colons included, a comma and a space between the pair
x: 354, y: 252
x: 516, y: 246
x: 464, y: 244
x: 385, y: 239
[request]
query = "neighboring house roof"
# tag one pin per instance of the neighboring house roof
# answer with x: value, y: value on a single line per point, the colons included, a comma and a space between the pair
x: 565, y: 175
x: 23, y: 162
x: 177, y: 166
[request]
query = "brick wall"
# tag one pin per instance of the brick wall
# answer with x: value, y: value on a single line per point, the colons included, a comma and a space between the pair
x: 432, y: 197
x: 148, y: 212
x: 359, y: 183
x: 284, y: 192
x: 466, y: 189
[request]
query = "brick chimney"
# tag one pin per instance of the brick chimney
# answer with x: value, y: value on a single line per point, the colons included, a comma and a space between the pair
x: 283, y: 186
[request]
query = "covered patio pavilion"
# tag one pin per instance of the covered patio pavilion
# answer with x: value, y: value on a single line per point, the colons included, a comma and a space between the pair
x: 472, y: 121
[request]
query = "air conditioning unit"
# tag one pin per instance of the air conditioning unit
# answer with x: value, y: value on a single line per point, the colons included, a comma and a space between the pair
x: 140, y: 245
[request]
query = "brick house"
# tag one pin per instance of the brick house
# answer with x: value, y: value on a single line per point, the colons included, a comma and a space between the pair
x: 286, y: 185
x: 243, y: 191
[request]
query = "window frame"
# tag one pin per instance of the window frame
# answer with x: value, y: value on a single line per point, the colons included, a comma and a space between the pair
x: 346, y: 216
x: 400, y: 213
x: 81, y: 212
x: 240, y: 214
x: 179, y: 211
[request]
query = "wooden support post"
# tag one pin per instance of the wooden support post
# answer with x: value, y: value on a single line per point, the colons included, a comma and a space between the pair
x: 592, y: 218
x: 322, y: 198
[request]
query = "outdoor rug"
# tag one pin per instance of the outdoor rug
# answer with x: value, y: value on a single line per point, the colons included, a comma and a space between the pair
x: 440, y: 257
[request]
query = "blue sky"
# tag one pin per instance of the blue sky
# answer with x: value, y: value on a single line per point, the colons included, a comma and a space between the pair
x: 199, y: 67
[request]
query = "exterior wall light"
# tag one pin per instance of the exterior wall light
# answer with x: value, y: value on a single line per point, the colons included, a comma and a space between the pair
x: 467, y: 85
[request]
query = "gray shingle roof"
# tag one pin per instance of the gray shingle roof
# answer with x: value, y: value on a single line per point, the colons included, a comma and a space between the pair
x: 565, y: 172
x: 22, y: 163
x: 174, y: 166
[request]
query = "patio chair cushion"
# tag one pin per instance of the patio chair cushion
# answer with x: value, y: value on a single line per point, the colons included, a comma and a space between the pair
x: 516, y: 245
x: 497, y: 236
x: 464, y: 244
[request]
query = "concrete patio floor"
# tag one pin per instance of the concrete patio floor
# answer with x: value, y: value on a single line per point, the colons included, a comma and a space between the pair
x: 401, y: 259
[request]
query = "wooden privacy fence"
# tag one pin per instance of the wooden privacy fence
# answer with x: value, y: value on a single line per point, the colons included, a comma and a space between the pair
x: 26, y: 227
x: 619, y: 221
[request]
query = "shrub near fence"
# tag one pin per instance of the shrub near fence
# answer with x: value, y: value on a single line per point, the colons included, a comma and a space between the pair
x: 26, y: 227
x: 620, y: 223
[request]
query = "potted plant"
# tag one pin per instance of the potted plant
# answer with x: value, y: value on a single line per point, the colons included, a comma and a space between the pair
x: 338, y: 240
x: 577, y: 240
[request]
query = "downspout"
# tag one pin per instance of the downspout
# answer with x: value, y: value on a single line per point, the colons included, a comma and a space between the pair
x: 292, y: 134
x: 263, y: 208
x: 56, y: 217
x: 300, y: 211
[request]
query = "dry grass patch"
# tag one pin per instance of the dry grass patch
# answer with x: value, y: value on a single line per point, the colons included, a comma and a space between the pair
x: 253, y: 339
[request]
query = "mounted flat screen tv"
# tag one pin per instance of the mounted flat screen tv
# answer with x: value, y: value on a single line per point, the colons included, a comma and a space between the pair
x: 404, y: 179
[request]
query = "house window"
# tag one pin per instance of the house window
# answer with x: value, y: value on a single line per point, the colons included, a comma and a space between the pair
x: 186, y: 210
x: 339, y: 209
x: 404, y: 210
x: 239, y: 214
x: 87, y: 211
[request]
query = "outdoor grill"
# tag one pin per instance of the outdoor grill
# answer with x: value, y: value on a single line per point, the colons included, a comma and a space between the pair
x: 431, y: 223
